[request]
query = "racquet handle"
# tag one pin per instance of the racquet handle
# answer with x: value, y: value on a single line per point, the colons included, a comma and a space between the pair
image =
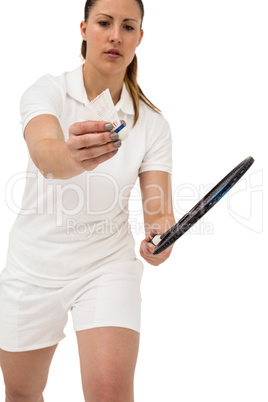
x: 155, y: 240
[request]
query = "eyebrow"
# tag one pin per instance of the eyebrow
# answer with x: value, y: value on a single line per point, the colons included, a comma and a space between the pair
x: 124, y: 20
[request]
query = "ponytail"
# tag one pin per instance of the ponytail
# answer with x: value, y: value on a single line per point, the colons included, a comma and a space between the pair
x: 84, y: 49
x: 135, y: 91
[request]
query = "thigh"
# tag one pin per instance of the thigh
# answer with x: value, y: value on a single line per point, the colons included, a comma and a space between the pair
x: 31, y: 317
x: 108, y: 358
x: 111, y: 299
x: 25, y: 373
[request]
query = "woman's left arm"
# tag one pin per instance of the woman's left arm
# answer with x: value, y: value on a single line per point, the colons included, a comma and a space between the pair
x: 158, y: 213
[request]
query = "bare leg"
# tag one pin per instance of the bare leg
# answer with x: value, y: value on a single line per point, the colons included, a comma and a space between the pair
x: 25, y: 373
x: 108, y: 359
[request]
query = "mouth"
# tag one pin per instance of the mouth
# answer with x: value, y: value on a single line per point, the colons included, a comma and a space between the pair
x: 114, y: 52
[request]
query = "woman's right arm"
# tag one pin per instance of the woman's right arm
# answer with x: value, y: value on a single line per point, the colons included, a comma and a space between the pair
x: 89, y: 144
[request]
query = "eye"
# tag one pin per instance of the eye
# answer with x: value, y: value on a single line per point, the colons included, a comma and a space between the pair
x: 129, y: 28
x: 103, y: 23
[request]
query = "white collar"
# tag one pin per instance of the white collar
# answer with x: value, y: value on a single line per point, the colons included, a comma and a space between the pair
x: 76, y: 89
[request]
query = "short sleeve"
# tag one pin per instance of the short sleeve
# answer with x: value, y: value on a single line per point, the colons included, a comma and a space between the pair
x: 45, y: 96
x: 158, y: 155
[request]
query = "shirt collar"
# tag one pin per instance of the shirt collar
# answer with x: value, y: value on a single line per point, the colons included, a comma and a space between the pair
x: 75, y: 85
x: 76, y: 89
x: 125, y: 103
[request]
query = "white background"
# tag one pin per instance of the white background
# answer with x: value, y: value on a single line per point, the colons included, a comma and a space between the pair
x: 204, y: 63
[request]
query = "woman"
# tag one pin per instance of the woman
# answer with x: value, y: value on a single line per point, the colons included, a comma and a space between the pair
x: 71, y: 248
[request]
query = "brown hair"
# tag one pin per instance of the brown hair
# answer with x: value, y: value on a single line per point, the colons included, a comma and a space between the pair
x: 132, y: 70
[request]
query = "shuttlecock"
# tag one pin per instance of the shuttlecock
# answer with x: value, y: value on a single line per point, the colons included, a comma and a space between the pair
x: 102, y: 109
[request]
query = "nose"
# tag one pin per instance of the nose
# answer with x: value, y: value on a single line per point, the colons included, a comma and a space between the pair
x: 115, y: 35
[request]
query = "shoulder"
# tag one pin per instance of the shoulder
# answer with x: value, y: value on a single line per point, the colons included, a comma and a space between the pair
x: 153, y: 120
x: 47, y: 85
x: 45, y: 96
x: 56, y: 88
x: 156, y: 132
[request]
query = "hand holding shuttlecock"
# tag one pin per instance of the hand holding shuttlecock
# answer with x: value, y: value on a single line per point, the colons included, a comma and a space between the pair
x: 102, y: 109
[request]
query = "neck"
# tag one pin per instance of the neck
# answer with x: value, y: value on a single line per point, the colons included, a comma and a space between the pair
x: 95, y: 83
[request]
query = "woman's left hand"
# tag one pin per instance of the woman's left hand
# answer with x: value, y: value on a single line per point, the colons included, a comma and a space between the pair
x: 146, y: 251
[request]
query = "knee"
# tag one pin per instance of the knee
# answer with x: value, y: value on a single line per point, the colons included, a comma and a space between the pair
x: 15, y: 395
x: 108, y: 390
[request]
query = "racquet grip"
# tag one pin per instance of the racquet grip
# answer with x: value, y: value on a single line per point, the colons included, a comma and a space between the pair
x: 155, y: 240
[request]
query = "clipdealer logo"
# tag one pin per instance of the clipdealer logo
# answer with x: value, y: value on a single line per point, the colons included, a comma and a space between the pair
x: 244, y: 201
x: 62, y: 199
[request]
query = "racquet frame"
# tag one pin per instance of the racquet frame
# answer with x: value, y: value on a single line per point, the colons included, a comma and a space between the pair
x: 202, y: 207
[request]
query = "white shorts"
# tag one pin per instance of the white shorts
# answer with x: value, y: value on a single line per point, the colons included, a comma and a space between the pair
x: 33, y: 317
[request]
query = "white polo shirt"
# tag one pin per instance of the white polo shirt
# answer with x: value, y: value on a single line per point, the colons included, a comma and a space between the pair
x: 67, y: 227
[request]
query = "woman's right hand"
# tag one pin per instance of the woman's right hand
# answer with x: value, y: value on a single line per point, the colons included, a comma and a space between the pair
x: 91, y: 143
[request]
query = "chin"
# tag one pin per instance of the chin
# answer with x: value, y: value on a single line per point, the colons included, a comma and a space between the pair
x: 113, y: 70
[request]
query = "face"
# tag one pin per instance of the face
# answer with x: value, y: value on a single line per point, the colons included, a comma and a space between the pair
x: 112, y: 32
